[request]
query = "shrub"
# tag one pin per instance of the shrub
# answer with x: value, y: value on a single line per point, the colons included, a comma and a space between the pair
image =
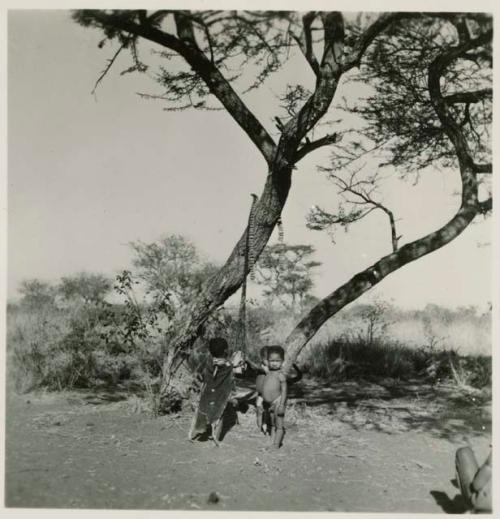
x: 346, y: 359
x: 90, y: 343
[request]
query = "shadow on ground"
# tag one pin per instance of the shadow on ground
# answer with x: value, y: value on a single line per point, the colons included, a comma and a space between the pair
x: 456, y: 505
x: 98, y: 450
x: 392, y: 406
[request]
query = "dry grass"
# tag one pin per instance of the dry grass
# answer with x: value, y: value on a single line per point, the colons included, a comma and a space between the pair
x: 61, y: 349
x: 465, y: 331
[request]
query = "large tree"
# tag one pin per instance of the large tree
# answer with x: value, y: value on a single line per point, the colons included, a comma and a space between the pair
x: 440, y: 61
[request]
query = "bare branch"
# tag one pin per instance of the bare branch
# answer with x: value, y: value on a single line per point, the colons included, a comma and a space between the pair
x: 353, y: 187
x: 367, y: 37
x: 108, y: 66
x: 469, y: 97
x: 304, y: 41
x: 482, y: 168
x: 309, y: 146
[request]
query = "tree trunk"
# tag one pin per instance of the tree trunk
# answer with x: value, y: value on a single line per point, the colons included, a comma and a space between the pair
x: 229, y: 278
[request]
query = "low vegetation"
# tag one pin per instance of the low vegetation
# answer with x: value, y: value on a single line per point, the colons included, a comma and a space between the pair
x: 101, y: 344
x: 92, y: 332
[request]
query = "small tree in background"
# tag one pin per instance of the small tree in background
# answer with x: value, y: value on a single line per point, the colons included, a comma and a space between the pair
x: 85, y: 287
x: 375, y: 320
x: 285, y: 272
x: 171, y: 266
x: 36, y: 294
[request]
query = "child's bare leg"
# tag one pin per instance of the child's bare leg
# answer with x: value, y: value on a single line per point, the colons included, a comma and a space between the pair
x: 260, y: 412
x: 279, y: 428
x: 272, y: 414
x: 259, y: 409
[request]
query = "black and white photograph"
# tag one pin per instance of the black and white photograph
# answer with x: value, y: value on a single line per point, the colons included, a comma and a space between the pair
x: 249, y: 257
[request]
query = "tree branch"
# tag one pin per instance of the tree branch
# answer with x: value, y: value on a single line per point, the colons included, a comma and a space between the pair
x: 211, y: 75
x: 108, y: 66
x: 394, y: 237
x: 185, y: 30
x: 329, y: 73
x: 304, y: 41
x: 482, y: 168
x: 309, y: 146
x: 368, y: 278
x: 469, y: 97
x: 366, y: 199
x: 485, y: 206
x: 453, y: 129
x: 367, y: 37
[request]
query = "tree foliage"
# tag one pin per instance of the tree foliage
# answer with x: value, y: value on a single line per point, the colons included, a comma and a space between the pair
x: 398, y: 124
x: 230, y: 41
x: 171, y: 267
x: 85, y: 287
x: 400, y: 113
x: 37, y: 294
x: 286, y: 273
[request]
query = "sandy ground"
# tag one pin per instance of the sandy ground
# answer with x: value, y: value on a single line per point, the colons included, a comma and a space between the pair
x: 357, y: 447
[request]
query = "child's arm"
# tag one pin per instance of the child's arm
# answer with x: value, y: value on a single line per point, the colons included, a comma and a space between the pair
x: 284, y: 390
x: 207, y: 371
x: 239, y: 364
x: 260, y: 370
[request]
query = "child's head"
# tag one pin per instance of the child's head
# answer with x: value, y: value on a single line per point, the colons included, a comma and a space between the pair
x: 218, y: 348
x: 275, y: 357
x: 263, y: 355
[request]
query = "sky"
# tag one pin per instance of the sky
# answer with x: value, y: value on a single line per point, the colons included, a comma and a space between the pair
x: 88, y: 174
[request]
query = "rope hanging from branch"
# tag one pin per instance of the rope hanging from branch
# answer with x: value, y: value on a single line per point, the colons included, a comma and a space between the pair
x: 281, y: 232
x: 249, y: 262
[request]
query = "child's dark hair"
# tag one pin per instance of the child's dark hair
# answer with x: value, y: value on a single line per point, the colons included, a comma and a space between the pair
x: 218, y: 347
x: 276, y: 350
x: 263, y: 352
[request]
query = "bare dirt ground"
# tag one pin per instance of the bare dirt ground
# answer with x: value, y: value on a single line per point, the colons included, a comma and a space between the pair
x: 355, y: 447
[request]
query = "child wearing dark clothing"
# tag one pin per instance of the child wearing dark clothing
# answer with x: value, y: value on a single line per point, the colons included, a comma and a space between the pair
x: 218, y: 383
